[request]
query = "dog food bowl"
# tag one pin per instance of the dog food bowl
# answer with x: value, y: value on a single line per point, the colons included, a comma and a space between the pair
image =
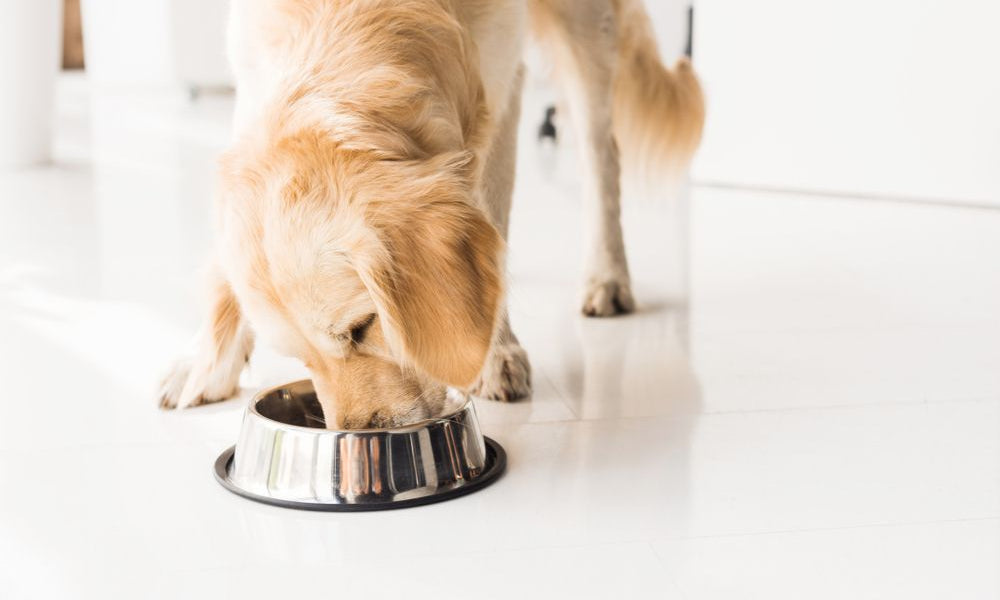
x: 286, y: 457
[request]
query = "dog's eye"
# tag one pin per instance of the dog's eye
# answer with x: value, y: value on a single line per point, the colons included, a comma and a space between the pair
x: 360, y: 330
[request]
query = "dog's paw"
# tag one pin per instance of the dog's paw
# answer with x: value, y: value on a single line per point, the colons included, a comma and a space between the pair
x: 506, y: 376
x: 188, y: 385
x: 608, y: 298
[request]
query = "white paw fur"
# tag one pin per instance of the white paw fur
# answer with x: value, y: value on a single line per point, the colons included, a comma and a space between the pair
x: 190, y: 384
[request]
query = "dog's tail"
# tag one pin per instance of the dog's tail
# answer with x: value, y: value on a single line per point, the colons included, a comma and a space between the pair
x: 658, y: 112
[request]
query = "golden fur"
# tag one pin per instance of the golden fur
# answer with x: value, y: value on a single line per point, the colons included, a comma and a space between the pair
x: 359, y: 206
x: 658, y: 113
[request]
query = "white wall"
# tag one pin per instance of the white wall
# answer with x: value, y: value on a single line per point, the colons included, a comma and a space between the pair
x: 30, y: 42
x: 893, y: 97
x: 670, y: 20
x: 127, y: 41
x: 156, y: 42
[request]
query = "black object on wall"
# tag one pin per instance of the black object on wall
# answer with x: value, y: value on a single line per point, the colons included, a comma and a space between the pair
x: 689, y: 48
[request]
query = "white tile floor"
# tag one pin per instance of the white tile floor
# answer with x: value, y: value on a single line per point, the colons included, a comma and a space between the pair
x: 807, y: 404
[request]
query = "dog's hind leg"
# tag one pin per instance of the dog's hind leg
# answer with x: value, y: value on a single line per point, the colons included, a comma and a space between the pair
x: 222, y: 349
x: 581, y: 38
x: 506, y: 375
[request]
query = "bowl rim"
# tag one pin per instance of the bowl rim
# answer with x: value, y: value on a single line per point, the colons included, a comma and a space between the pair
x: 423, y: 424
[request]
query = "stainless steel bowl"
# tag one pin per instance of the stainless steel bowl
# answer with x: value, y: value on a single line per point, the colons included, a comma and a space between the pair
x: 285, y: 456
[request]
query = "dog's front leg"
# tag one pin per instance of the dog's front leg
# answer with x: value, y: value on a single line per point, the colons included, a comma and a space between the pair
x: 222, y: 349
x: 506, y: 375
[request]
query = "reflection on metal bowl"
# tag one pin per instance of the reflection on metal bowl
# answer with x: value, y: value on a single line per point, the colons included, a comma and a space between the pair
x: 286, y: 457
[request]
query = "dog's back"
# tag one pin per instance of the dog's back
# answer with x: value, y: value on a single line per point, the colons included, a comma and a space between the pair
x: 658, y: 112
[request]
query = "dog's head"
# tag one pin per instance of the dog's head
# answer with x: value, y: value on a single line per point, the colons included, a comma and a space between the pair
x: 378, y: 274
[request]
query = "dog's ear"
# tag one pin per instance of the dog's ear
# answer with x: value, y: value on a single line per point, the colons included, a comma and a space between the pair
x: 438, y: 283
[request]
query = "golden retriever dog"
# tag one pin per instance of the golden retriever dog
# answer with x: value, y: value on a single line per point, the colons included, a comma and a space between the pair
x: 362, y: 208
